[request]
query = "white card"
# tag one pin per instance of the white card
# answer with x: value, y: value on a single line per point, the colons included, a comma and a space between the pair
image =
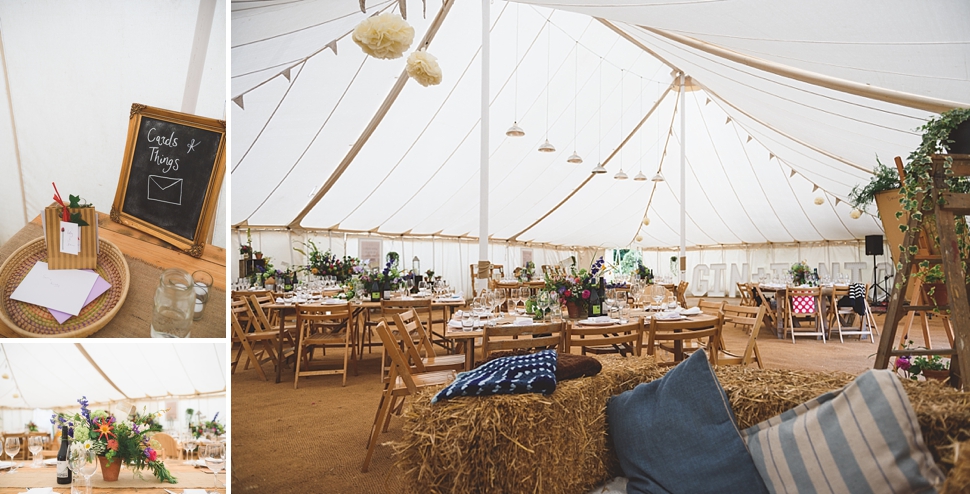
x: 70, y: 238
x: 63, y: 290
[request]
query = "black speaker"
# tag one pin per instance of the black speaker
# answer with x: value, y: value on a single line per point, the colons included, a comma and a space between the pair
x: 873, y: 245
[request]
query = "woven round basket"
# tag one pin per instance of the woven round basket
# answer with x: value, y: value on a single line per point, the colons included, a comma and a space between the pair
x: 34, y: 321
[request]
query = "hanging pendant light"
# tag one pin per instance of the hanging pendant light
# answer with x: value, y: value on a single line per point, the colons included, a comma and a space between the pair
x: 547, y: 146
x: 575, y: 157
x: 599, y: 169
x: 640, y: 177
x: 515, y: 130
x: 620, y: 175
x: 658, y: 177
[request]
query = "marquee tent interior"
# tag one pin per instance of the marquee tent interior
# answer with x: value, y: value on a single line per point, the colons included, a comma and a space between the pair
x: 785, y: 109
x: 69, y: 73
x: 36, y: 379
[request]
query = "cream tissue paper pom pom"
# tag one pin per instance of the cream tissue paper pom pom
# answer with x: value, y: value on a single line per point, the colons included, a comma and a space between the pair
x: 819, y: 201
x: 855, y: 214
x: 646, y: 221
x: 639, y: 238
x: 423, y: 67
x: 384, y: 36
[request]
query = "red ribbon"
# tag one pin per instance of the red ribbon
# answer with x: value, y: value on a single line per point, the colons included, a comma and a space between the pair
x: 66, y: 215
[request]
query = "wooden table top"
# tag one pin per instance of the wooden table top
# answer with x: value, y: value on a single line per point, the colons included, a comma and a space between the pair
x: 189, y: 478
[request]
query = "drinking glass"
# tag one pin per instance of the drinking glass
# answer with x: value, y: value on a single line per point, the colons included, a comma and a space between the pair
x: 89, y: 465
x: 215, y: 459
x: 524, y: 295
x: 468, y: 321
x: 35, y: 445
x: 542, y: 300
x: 477, y: 306
x: 12, y: 446
x: 188, y: 445
x: 513, y: 299
x: 75, y: 460
x: 499, y: 298
x: 174, y: 305
x: 203, y: 284
x: 658, y: 296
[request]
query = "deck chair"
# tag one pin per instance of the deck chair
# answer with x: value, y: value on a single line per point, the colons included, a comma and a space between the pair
x: 324, y: 326
x: 403, y: 383
x: 617, y: 338
x: 666, y: 335
x: 254, y: 345
x: 745, y: 316
x: 804, y: 306
x: 524, y: 337
x: 843, y: 319
x: 408, y: 322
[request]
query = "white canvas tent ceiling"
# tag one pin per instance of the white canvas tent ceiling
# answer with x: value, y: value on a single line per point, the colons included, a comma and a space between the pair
x: 69, y: 72
x: 55, y: 376
x: 761, y: 145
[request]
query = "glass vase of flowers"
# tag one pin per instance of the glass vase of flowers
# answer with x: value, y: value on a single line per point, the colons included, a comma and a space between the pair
x: 575, y: 288
x: 117, y: 442
x: 799, y: 272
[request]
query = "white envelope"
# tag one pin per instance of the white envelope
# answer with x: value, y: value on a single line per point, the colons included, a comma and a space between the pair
x: 165, y: 189
x: 63, y: 290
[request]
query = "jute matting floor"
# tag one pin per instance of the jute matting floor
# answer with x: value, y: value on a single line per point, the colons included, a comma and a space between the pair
x: 312, y: 439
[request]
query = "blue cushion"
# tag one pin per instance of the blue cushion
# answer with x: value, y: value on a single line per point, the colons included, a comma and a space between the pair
x: 678, y: 434
x: 533, y: 373
x: 862, y: 438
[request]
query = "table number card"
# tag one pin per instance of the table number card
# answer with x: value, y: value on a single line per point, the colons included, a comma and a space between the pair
x: 70, y: 238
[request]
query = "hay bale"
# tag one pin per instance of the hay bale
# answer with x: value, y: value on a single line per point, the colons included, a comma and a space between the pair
x: 518, y: 443
x: 559, y: 444
x: 959, y: 479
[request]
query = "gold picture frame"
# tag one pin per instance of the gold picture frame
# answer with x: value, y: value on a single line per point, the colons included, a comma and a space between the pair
x: 188, y: 227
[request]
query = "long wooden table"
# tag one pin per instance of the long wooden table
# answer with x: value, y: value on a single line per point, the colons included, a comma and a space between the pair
x: 188, y: 478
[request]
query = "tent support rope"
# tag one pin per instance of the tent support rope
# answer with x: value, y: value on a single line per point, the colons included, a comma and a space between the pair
x: 13, y: 128
x: 934, y: 105
x: 98, y: 368
x: 591, y: 175
x: 375, y: 121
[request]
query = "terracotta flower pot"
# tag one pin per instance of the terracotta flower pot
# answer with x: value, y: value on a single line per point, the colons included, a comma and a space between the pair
x: 573, y: 309
x: 259, y: 255
x: 939, y: 375
x: 110, y: 472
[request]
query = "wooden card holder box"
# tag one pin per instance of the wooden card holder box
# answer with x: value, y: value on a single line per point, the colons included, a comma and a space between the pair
x: 88, y: 258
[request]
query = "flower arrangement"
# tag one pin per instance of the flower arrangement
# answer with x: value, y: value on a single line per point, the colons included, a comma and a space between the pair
x: 31, y: 426
x: 125, y: 441
x: 576, y: 287
x: 386, y: 36
x: 527, y: 272
x: 245, y: 250
x: 799, y: 272
x: 208, y: 427
x: 423, y: 67
x: 327, y: 264
x: 913, y: 367
x: 644, y: 272
x: 430, y: 274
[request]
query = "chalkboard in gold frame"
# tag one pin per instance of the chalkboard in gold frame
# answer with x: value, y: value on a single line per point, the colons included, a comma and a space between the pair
x: 171, y: 175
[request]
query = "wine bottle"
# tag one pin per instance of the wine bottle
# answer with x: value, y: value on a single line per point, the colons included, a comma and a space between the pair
x: 815, y: 277
x: 375, y: 291
x: 595, y: 305
x: 63, y: 472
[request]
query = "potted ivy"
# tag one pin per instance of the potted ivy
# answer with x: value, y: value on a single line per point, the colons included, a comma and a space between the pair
x: 934, y: 283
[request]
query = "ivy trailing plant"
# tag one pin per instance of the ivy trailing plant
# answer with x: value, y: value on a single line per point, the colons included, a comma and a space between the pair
x: 883, y: 178
x: 916, y: 190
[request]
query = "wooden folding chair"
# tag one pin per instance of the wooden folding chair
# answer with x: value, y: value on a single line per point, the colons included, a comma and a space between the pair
x: 409, y: 323
x: 403, y: 383
x: 709, y: 307
x: 745, y: 293
x: 669, y: 335
x: 265, y: 340
x: 843, y: 318
x: 745, y: 316
x: 324, y: 326
x: 771, y: 319
x: 529, y: 337
x: 618, y: 338
x: 804, y: 306
x: 682, y: 293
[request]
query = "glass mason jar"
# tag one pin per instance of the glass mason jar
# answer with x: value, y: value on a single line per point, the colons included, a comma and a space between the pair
x: 174, y: 305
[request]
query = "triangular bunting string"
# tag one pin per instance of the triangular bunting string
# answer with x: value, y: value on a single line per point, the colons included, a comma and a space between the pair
x: 749, y: 140
x: 286, y: 73
x: 238, y: 100
x: 333, y: 46
x: 837, y: 201
x: 814, y: 187
x: 727, y: 121
x: 792, y: 173
x: 403, y: 4
x: 363, y: 8
x: 707, y: 102
x: 771, y: 156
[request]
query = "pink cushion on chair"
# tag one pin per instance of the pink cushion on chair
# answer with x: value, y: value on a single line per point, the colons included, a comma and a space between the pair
x: 803, y: 305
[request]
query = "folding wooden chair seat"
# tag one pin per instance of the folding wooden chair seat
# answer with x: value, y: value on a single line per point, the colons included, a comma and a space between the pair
x: 753, y: 317
x: 843, y: 319
x: 709, y: 307
x: 324, y: 326
x: 745, y: 294
x: 409, y: 323
x: 617, y: 338
x: 530, y: 337
x: 403, y: 382
x: 761, y: 299
x: 269, y: 322
x: 804, y: 306
x: 251, y: 343
x: 682, y: 293
x: 669, y: 335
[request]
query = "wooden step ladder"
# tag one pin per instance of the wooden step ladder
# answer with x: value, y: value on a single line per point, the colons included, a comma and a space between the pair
x: 947, y: 205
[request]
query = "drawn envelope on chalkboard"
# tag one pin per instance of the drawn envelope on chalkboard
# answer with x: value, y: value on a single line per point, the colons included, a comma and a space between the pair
x: 165, y: 189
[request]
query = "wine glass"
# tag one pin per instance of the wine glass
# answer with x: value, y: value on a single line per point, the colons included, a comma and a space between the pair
x: 542, y: 300
x: 513, y: 299
x: 553, y: 302
x: 658, y: 296
x: 12, y: 446
x: 188, y: 445
x: 422, y: 286
x: 524, y: 295
x: 499, y: 299
x: 215, y: 459
x: 35, y: 445
x: 89, y: 465
x: 75, y: 460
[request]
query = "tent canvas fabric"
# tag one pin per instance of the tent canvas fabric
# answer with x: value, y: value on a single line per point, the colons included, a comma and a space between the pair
x: 69, y: 73
x: 786, y: 105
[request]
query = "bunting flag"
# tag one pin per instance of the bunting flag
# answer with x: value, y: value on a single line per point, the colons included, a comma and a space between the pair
x: 792, y: 173
x: 286, y: 73
x: 707, y: 102
x: 771, y: 156
x: 363, y: 8
x: 837, y: 201
x: 749, y: 140
x: 238, y: 100
x: 333, y: 46
x: 727, y: 121
x: 403, y: 4
x: 814, y: 187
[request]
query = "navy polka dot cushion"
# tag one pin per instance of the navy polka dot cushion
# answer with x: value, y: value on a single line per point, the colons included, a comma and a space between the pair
x: 534, y: 373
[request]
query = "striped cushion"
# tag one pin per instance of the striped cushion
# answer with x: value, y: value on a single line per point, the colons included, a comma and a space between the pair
x: 862, y: 438
x: 532, y: 373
